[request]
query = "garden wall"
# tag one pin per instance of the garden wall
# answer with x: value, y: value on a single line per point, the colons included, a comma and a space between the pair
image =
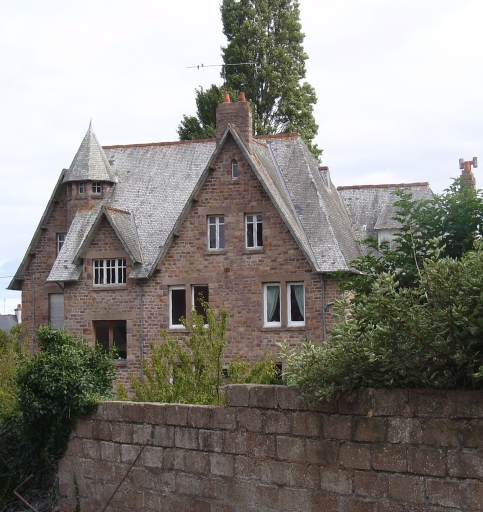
x: 389, y: 451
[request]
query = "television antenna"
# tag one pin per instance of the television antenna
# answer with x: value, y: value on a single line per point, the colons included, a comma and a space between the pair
x: 224, y: 66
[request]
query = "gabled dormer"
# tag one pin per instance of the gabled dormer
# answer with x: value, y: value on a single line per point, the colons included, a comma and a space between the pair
x: 90, y: 177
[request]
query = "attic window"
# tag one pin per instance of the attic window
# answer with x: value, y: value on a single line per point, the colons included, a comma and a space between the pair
x: 108, y: 272
x: 96, y: 188
x: 234, y: 169
x: 82, y: 188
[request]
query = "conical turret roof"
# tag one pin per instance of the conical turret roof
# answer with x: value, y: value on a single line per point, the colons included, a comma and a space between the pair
x: 90, y: 162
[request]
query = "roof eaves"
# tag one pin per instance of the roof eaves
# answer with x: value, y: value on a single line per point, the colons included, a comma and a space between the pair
x: 14, y: 283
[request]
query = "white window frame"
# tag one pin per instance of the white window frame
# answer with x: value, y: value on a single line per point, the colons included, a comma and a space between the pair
x: 96, y: 188
x: 291, y: 322
x: 219, y: 223
x: 171, y: 324
x: 266, y: 323
x: 255, y: 220
x: 60, y: 241
x: 234, y: 169
x: 102, y: 271
x: 82, y: 188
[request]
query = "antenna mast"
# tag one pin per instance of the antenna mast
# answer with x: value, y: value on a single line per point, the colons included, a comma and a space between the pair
x: 224, y: 68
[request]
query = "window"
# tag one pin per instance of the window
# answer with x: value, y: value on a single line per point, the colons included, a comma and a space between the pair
x: 271, y: 299
x: 200, y: 295
x: 296, y: 303
x: 216, y: 232
x: 110, y: 271
x: 234, y: 169
x: 82, y: 188
x: 60, y: 241
x: 56, y: 310
x: 97, y: 187
x: 177, y: 306
x: 254, y: 238
x: 112, y: 333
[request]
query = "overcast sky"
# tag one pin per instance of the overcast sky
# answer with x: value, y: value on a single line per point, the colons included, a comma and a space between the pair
x: 399, y: 86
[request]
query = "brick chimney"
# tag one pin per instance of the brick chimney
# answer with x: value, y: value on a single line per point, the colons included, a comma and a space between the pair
x: 239, y: 115
x: 466, y: 172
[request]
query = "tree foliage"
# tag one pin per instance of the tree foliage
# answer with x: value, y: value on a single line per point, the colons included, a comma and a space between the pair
x: 449, y: 222
x: 429, y: 335
x: 268, y: 34
x: 64, y: 380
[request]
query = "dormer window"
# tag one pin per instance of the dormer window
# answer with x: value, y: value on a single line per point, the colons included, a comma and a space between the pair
x: 234, y: 169
x: 96, y: 188
x: 82, y: 188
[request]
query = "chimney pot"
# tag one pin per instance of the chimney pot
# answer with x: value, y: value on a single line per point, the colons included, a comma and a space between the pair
x: 226, y: 98
x: 242, y: 97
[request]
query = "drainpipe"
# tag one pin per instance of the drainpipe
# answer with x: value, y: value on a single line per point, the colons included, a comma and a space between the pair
x: 33, y: 313
x: 141, y: 307
x: 325, y: 307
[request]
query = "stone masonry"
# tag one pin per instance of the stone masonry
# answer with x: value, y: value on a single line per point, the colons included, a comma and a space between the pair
x: 388, y: 451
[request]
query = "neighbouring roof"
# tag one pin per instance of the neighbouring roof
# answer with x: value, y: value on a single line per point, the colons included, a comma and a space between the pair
x: 90, y: 162
x: 7, y: 322
x: 371, y: 207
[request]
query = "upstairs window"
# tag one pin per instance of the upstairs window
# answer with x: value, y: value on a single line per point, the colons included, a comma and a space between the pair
x: 112, y: 333
x: 216, y: 232
x: 254, y: 234
x: 296, y: 303
x: 96, y: 188
x: 271, y: 300
x: 234, y: 169
x: 82, y: 188
x: 60, y: 241
x: 110, y: 271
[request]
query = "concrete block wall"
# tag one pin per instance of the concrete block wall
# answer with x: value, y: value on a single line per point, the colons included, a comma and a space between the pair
x: 388, y: 451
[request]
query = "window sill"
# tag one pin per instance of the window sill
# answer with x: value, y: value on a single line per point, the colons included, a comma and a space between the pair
x: 284, y: 328
x: 215, y: 252
x: 177, y: 329
x: 254, y: 250
x: 109, y: 287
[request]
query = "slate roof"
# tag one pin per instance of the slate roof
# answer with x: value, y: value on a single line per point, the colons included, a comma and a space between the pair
x: 156, y: 183
x: 7, y: 322
x: 371, y: 207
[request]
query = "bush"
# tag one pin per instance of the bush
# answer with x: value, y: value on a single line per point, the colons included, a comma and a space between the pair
x: 63, y: 381
x: 429, y: 336
x: 264, y: 371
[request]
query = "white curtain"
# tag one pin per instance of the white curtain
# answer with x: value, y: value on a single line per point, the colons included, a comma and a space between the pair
x: 273, y: 293
x: 299, y: 296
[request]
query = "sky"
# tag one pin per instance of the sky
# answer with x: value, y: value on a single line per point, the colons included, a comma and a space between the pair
x: 399, y: 86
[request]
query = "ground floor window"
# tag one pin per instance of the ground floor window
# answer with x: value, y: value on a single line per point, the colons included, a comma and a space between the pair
x: 296, y: 303
x: 275, y: 305
x: 112, y: 333
x: 271, y: 293
x: 56, y: 310
x: 178, y: 303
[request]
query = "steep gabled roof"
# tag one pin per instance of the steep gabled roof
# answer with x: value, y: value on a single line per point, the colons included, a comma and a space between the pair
x: 90, y: 162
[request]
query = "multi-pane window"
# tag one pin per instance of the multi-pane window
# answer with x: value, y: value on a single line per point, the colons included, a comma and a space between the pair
x: 216, y: 232
x: 60, y: 241
x: 110, y: 271
x: 234, y: 169
x: 82, y: 188
x: 97, y: 187
x: 296, y: 303
x: 112, y: 333
x: 177, y: 306
x: 254, y: 235
x: 271, y: 299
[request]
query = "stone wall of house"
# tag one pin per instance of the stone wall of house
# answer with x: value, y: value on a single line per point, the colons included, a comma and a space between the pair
x: 388, y: 451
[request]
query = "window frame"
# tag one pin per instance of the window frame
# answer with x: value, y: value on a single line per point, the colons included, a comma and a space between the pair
x: 60, y: 239
x: 290, y: 322
x: 170, y: 300
x: 234, y: 169
x: 257, y: 230
x: 266, y: 322
x: 82, y: 188
x: 220, y: 241
x: 195, y: 300
x: 95, y: 186
x: 120, y: 269
x: 111, y: 325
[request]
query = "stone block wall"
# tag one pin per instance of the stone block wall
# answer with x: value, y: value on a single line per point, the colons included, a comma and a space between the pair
x: 388, y: 451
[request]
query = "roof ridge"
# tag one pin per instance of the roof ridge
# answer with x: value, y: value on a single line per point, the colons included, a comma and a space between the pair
x: 291, y: 135
x: 113, y: 209
x: 155, y: 144
x: 389, y: 185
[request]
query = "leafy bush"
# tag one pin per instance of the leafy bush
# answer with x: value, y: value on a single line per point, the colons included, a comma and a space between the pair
x: 185, y: 370
x: 263, y: 371
x: 428, y: 336
x: 63, y: 381
x: 12, y: 353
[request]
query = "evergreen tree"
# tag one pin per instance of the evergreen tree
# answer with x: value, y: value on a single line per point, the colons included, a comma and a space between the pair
x: 268, y: 34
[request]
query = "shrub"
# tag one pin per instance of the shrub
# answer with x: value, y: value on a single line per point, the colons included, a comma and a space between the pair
x: 429, y: 336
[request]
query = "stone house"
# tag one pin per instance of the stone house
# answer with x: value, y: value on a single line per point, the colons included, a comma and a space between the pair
x: 133, y: 236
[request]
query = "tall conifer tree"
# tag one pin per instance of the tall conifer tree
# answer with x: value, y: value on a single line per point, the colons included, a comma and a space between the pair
x: 268, y: 34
